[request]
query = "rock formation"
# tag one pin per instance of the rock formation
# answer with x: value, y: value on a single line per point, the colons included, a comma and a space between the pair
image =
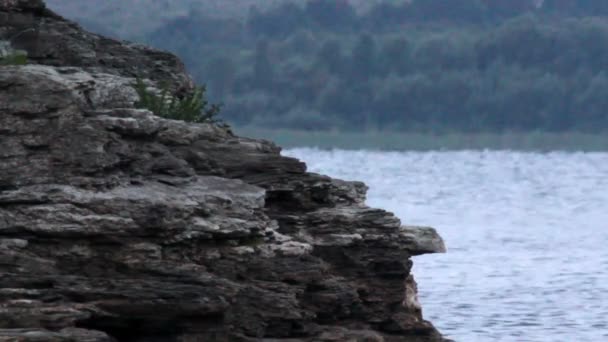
x: 117, y: 225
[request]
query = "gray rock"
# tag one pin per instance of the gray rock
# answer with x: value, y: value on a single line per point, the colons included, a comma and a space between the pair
x: 119, y: 225
x: 51, y: 40
x: 425, y: 239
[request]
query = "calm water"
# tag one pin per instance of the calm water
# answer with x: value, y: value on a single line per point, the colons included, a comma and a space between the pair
x: 527, y: 236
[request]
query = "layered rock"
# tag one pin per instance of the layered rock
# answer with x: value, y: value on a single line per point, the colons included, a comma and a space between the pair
x: 117, y: 225
x: 51, y: 40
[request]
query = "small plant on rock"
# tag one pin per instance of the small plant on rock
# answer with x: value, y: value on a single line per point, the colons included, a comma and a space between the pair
x: 8, y: 56
x: 14, y: 59
x: 192, y: 108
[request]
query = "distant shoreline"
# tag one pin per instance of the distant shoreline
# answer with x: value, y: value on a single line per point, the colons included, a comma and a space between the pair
x: 377, y: 140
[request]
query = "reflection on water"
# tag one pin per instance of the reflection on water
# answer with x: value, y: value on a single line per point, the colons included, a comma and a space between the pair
x: 527, y: 236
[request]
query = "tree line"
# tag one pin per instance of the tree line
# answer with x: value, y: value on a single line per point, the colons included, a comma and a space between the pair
x: 424, y: 65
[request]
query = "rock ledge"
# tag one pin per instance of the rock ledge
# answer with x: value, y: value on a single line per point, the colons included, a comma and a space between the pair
x: 117, y: 225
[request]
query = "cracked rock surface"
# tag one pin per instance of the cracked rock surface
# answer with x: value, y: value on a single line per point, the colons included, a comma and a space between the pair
x: 117, y: 225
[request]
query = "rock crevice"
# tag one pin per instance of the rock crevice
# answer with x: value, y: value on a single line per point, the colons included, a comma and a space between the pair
x: 117, y: 225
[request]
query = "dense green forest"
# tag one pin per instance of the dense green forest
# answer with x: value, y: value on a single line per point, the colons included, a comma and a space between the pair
x: 424, y: 65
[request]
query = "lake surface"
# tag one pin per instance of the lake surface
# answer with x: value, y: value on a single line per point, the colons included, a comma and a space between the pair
x: 527, y: 236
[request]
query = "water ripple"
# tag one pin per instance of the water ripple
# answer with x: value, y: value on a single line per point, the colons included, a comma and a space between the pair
x: 526, y: 235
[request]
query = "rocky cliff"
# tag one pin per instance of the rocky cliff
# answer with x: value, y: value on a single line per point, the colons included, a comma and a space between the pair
x: 117, y: 225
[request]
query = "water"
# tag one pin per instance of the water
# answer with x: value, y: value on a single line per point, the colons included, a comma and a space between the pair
x: 527, y: 236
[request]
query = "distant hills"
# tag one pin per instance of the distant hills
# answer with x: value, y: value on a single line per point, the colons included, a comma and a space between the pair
x: 134, y: 18
x: 393, y: 65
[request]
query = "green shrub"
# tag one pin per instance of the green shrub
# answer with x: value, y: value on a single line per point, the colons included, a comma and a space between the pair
x: 15, y: 58
x: 192, y: 108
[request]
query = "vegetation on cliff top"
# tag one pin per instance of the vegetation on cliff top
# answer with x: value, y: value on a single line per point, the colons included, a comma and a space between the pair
x: 13, y: 59
x: 9, y: 56
x: 191, y: 108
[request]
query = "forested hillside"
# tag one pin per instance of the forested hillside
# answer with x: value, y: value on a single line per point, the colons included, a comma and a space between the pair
x: 424, y: 65
x: 134, y: 18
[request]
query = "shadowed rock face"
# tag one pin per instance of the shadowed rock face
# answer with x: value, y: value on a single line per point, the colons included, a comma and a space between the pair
x: 51, y: 40
x: 116, y: 225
